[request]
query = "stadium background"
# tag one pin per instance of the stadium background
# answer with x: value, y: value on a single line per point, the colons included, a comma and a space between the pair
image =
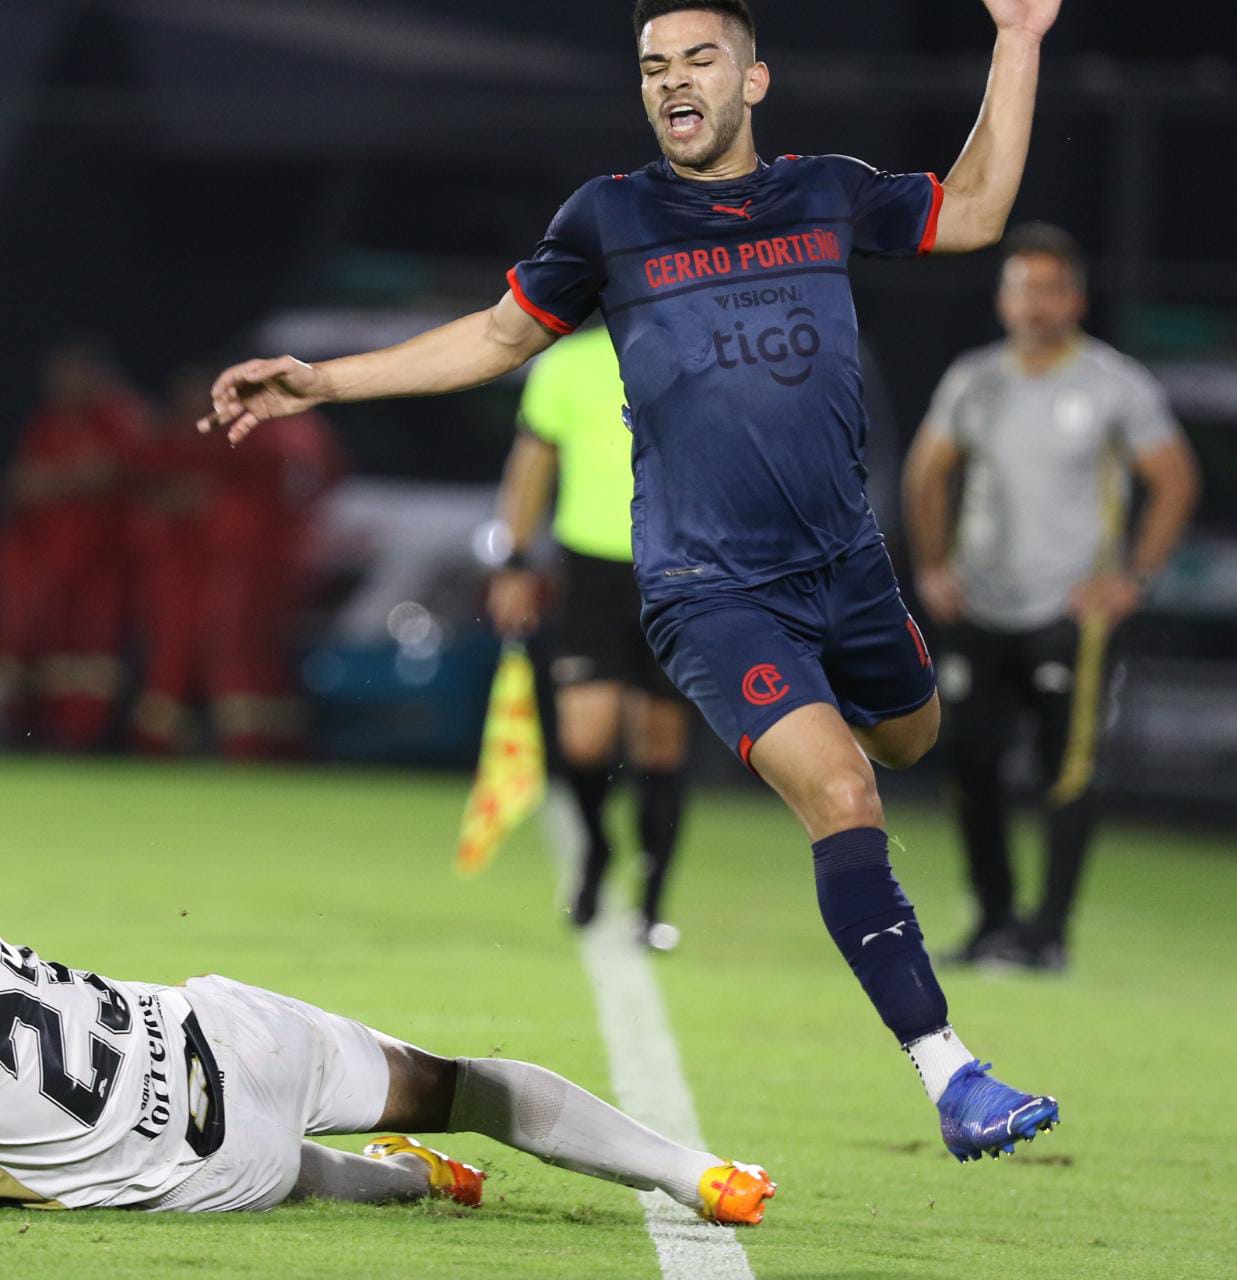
x: 196, y: 180
x: 193, y: 180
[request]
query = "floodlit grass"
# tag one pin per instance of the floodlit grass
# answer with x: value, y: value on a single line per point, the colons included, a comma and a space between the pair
x: 337, y: 887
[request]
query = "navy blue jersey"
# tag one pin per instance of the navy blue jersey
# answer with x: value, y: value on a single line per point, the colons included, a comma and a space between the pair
x: 730, y: 308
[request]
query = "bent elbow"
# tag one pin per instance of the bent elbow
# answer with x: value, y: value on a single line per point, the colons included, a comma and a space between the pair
x: 990, y: 235
x: 966, y: 225
x: 986, y: 229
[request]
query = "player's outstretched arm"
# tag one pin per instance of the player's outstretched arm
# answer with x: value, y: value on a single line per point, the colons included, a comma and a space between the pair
x: 980, y: 188
x: 465, y: 353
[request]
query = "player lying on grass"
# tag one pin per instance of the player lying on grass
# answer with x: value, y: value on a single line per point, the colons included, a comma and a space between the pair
x: 197, y: 1098
x: 768, y: 597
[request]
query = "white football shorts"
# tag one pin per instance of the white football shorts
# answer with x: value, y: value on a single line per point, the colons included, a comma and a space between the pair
x: 289, y: 1069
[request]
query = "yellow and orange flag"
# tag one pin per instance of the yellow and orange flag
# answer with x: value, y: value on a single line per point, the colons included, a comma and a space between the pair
x: 510, y: 780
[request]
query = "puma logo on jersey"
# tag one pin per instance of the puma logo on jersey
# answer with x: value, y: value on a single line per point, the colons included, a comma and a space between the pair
x: 895, y: 929
x: 738, y: 213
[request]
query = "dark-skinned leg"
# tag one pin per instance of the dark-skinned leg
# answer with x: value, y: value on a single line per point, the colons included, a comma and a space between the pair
x: 419, y: 1097
x: 536, y: 1111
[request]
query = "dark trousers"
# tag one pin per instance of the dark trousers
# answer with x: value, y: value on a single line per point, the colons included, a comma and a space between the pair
x: 1056, y: 674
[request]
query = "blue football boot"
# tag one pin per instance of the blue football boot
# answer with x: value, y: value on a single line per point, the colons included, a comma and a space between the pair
x: 979, y: 1114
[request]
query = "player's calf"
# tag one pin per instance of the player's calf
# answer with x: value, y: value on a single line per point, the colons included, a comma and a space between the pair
x: 327, y: 1174
x: 534, y: 1110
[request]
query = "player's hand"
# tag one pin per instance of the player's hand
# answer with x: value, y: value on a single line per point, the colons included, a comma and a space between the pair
x: 515, y: 598
x: 514, y: 602
x: 942, y: 594
x: 1032, y: 16
x: 249, y: 393
x: 1110, y: 596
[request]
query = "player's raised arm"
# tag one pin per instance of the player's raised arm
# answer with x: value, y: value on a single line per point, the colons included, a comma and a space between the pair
x: 980, y: 188
x: 467, y: 352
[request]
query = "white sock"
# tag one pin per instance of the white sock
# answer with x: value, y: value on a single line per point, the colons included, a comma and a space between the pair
x: 937, y: 1057
x: 534, y: 1110
x: 340, y: 1175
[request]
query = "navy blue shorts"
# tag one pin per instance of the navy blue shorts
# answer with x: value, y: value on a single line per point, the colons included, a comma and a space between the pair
x: 838, y: 634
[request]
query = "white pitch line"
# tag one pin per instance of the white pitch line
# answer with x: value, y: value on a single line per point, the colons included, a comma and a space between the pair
x: 645, y: 1071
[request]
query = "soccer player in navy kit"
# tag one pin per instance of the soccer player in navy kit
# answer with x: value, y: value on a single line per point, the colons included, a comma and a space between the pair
x: 768, y: 596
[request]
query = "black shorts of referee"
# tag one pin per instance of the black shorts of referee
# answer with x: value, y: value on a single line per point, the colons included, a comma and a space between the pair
x: 596, y: 635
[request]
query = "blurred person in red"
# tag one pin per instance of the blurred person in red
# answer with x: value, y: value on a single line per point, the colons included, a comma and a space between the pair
x: 178, y: 478
x: 223, y: 551
x: 64, y: 551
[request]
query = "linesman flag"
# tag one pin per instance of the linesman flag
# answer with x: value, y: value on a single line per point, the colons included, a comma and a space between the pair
x: 510, y: 781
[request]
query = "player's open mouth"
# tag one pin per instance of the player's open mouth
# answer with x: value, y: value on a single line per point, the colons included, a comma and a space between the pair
x: 685, y: 122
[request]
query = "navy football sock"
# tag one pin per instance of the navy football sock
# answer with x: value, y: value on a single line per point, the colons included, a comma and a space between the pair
x: 589, y: 786
x: 661, y: 806
x: 874, y: 925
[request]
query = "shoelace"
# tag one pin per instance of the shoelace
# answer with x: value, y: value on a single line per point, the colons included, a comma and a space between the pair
x: 980, y: 1104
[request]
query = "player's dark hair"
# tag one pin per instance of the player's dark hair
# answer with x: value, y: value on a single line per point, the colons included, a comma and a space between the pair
x: 737, y: 10
x: 1053, y: 242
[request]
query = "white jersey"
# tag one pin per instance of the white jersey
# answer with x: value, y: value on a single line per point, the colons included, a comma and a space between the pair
x: 1048, y: 460
x: 95, y: 1084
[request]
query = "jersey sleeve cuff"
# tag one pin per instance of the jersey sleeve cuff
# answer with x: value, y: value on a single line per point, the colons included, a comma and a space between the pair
x: 927, y: 242
x: 540, y: 314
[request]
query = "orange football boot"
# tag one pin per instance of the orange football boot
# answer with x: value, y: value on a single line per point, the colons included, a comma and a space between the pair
x: 450, y: 1178
x: 735, y: 1193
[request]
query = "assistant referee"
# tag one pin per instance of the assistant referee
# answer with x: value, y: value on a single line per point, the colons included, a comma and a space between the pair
x: 1044, y: 432
x: 609, y: 691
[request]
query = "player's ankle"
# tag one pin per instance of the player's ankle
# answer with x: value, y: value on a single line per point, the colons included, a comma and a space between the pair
x: 937, y: 1056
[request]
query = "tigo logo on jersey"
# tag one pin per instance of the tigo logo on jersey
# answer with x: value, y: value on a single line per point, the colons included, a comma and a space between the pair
x: 796, y: 340
x: 764, y: 685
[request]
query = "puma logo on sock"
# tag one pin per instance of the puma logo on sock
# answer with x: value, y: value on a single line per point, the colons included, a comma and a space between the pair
x: 895, y: 929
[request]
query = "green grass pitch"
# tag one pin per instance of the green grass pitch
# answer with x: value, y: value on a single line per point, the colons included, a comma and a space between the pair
x: 337, y: 887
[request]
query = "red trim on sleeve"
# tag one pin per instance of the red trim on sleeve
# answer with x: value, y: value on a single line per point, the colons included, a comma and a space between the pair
x: 745, y: 750
x: 551, y: 322
x: 928, y: 240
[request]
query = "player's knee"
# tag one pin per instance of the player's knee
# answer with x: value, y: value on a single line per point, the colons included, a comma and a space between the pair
x: 657, y: 758
x: 583, y: 749
x: 421, y: 1091
x: 848, y: 799
x: 656, y: 734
